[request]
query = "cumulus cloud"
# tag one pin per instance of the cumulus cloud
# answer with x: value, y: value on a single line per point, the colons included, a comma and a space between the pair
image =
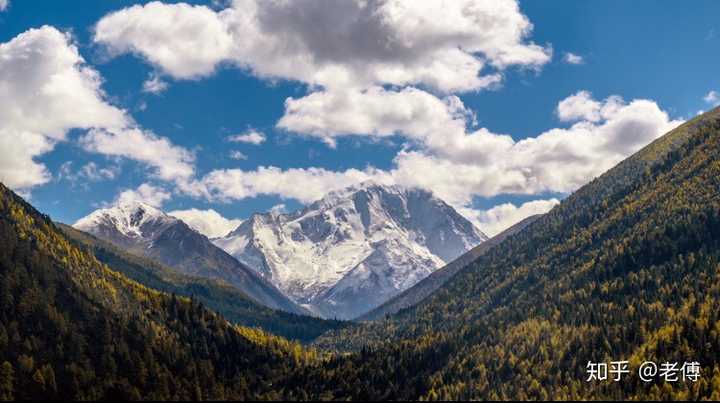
x: 712, y: 98
x: 582, y: 106
x: 449, y: 46
x: 184, y: 41
x: 459, y: 163
x: 375, y: 111
x: 305, y: 185
x: 170, y: 162
x: 252, y: 136
x: 500, y: 217
x: 572, y: 58
x: 207, y: 222
x: 146, y: 193
x: 45, y: 90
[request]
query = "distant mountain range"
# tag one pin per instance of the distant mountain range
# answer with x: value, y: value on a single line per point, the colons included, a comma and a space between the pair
x: 339, y: 257
x: 354, y: 249
x: 146, y: 231
x: 626, y: 268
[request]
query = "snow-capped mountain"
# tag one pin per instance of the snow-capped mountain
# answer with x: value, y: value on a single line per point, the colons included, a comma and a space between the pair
x: 355, y: 248
x: 146, y: 231
x: 129, y: 224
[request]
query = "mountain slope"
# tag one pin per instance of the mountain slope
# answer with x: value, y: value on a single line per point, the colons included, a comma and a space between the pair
x: 355, y: 248
x: 429, y: 284
x: 146, y: 231
x: 626, y: 268
x: 216, y: 295
x: 72, y: 329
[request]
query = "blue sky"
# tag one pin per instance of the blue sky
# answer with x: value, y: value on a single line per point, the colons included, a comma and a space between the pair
x: 661, y: 51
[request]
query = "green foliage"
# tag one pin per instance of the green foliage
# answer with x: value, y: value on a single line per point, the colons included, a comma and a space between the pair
x: 71, y: 328
x: 7, y: 381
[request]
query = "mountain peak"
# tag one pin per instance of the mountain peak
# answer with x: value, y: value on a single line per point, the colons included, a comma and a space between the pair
x: 354, y: 248
x: 147, y: 231
x: 129, y: 218
x: 365, y: 186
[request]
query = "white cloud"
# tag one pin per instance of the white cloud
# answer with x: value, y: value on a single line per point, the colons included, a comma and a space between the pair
x: 184, y: 41
x: 558, y: 160
x: 252, y: 136
x: 45, y: 90
x: 154, y: 84
x: 572, y: 58
x: 207, y: 222
x: 90, y: 172
x: 170, y: 162
x: 582, y: 106
x: 448, y: 46
x: 4, y: 4
x: 712, y: 98
x: 458, y: 163
x: 305, y: 185
x: 237, y: 155
x: 375, y: 112
x: 500, y: 217
x: 150, y: 194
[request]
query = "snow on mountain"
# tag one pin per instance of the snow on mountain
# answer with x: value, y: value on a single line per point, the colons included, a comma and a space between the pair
x: 129, y: 223
x: 146, y: 231
x: 354, y: 249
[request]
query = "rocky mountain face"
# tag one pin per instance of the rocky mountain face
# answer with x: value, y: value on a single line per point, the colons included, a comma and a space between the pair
x: 424, y: 288
x: 146, y: 231
x: 354, y: 249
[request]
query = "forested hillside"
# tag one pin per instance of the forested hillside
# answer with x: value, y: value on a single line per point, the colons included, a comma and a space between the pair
x: 71, y: 328
x: 216, y: 295
x: 627, y: 268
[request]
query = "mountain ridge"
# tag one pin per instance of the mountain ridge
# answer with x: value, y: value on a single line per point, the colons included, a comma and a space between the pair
x: 349, y: 251
x: 217, y: 295
x: 147, y: 231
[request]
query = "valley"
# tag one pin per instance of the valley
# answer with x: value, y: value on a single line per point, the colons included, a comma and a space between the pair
x: 593, y: 278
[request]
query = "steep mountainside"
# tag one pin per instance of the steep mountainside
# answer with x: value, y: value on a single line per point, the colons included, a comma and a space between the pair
x: 626, y: 268
x: 354, y: 249
x: 415, y: 294
x: 146, y: 231
x: 215, y: 294
x: 72, y: 329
